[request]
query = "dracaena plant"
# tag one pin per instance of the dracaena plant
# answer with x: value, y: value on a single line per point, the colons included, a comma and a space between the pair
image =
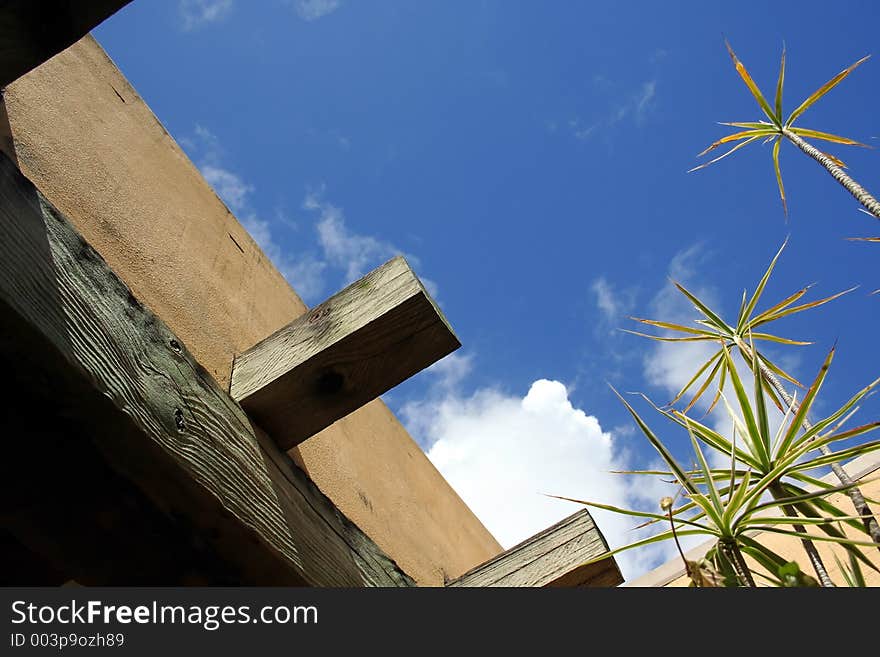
x: 778, y: 128
x: 751, y: 328
x: 767, y: 489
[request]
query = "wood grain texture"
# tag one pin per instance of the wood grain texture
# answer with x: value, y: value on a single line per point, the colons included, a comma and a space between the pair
x: 157, y: 418
x: 360, y: 343
x: 553, y: 557
x: 32, y: 31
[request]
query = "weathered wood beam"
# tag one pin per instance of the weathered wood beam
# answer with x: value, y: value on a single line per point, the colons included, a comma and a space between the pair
x: 553, y: 557
x: 347, y: 351
x: 96, y: 356
x: 32, y: 31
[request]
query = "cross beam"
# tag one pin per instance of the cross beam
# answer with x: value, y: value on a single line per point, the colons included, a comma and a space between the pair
x: 565, y: 554
x: 358, y: 344
x: 112, y: 377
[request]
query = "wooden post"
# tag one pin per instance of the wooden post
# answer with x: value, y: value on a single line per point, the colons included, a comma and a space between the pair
x: 32, y: 31
x: 557, y: 556
x: 347, y: 351
x: 110, y: 373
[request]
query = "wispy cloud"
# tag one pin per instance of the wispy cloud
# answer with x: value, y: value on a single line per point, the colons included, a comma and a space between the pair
x: 633, y: 104
x: 311, y: 10
x: 303, y: 271
x: 333, y: 251
x: 355, y: 254
x: 614, y: 304
x: 196, y: 13
x: 643, y: 101
x: 504, y: 453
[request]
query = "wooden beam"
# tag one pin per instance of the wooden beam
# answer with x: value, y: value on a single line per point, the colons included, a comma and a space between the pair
x: 95, y: 356
x: 553, y: 557
x: 32, y: 31
x: 347, y: 351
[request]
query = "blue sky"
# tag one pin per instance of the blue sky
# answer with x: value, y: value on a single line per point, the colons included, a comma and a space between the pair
x: 530, y: 160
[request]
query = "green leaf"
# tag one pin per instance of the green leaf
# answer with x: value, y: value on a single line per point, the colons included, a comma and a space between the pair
x: 744, y: 74
x: 707, y: 477
x: 779, y: 371
x: 730, y: 152
x: 816, y: 537
x: 680, y: 472
x: 853, y: 575
x: 804, y: 407
x: 826, y: 136
x: 705, y: 384
x: 779, y: 84
x: 824, y: 89
x: 840, y: 455
x: 660, y: 338
x: 779, y: 306
x: 627, y: 512
x: 763, y: 421
x: 757, y: 440
x: 737, y: 136
x: 759, y: 290
x: 714, y: 319
x: 773, y: 338
x: 736, y: 500
x: 712, y: 438
x: 675, y: 327
x: 801, y: 308
x: 779, y: 174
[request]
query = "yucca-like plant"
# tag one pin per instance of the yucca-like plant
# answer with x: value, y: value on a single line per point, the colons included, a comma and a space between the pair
x: 780, y: 127
x: 750, y: 328
x: 731, y: 504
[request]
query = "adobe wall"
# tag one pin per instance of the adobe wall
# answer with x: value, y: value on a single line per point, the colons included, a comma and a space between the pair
x: 82, y: 134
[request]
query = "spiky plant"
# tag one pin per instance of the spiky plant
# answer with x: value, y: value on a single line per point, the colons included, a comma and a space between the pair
x: 779, y: 127
x: 749, y: 328
x: 730, y: 504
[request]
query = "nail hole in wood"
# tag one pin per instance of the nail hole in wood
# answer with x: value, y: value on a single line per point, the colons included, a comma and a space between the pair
x: 329, y: 383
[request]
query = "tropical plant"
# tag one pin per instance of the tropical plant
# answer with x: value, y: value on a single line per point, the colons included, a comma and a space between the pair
x: 748, y: 329
x: 779, y: 127
x: 731, y: 504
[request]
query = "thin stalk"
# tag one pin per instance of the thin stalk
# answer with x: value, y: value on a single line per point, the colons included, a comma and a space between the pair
x: 809, y: 546
x: 871, y: 204
x: 734, y: 556
x: 858, y: 500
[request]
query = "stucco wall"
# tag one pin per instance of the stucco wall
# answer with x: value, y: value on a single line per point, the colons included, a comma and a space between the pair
x: 864, y: 469
x: 82, y: 134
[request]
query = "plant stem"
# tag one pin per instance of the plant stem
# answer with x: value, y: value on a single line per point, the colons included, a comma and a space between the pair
x: 860, y: 193
x: 858, y: 500
x: 734, y: 556
x: 809, y: 547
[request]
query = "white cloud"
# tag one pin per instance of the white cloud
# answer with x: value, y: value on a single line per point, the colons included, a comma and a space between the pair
x: 310, y: 10
x: 229, y: 186
x: 670, y: 366
x: 505, y: 453
x: 196, y: 13
x: 342, y: 248
x: 643, y: 102
x: 613, y: 304
x: 352, y: 252
x: 338, y: 247
x: 303, y: 271
x: 635, y: 104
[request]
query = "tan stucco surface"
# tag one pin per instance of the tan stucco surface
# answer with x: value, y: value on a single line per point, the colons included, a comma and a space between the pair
x: 865, y: 470
x: 83, y: 135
